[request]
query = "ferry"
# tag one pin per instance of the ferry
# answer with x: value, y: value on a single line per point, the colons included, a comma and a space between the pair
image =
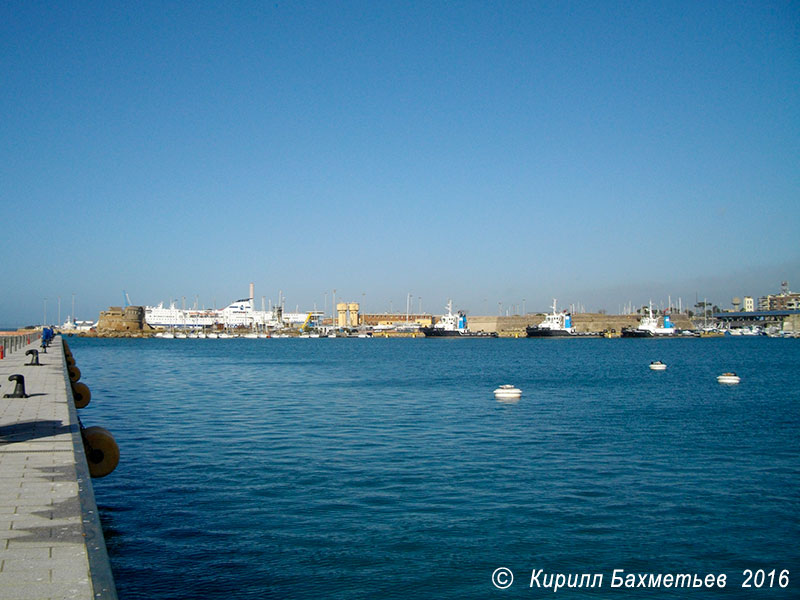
x: 554, y: 325
x: 453, y: 325
x: 161, y: 316
x: 237, y: 314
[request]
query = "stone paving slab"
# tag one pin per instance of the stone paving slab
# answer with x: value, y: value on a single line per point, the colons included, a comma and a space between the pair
x: 51, y: 543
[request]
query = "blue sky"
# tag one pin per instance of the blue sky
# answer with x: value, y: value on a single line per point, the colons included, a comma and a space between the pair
x: 599, y: 153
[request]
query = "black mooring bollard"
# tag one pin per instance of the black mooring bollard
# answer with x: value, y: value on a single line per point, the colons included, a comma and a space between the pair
x: 19, y: 390
x: 34, y: 358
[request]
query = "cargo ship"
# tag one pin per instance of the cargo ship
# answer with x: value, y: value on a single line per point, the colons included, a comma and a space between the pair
x: 556, y: 324
x: 453, y: 325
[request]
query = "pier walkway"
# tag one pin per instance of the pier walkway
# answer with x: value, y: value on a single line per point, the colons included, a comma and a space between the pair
x: 51, y: 542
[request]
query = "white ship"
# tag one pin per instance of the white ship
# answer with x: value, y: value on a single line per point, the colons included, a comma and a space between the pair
x: 159, y: 316
x: 238, y: 314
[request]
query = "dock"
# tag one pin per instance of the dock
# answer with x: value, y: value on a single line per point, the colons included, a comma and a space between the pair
x: 51, y: 541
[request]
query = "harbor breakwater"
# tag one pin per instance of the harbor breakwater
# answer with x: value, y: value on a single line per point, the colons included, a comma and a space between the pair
x: 582, y: 322
x: 51, y: 541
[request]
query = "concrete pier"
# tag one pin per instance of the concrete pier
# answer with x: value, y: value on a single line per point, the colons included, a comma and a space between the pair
x: 51, y: 542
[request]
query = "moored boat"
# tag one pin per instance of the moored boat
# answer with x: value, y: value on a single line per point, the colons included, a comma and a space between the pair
x: 648, y: 327
x: 453, y: 325
x: 556, y: 324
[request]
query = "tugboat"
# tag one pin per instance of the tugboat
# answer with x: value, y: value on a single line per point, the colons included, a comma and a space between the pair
x: 648, y: 327
x: 554, y: 325
x: 453, y: 325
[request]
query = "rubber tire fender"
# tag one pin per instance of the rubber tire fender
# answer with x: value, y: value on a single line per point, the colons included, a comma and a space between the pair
x: 102, y: 452
x: 74, y: 374
x: 81, y: 394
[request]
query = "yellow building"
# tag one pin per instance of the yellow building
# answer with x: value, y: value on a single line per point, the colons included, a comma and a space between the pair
x: 347, y: 314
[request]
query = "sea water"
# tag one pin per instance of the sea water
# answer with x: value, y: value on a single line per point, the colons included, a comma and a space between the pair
x: 380, y: 468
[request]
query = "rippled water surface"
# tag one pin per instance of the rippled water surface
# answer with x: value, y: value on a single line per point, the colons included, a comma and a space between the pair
x: 352, y: 468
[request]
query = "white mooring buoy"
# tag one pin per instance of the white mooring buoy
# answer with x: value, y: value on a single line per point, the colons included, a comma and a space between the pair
x: 507, y: 392
x: 729, y: 378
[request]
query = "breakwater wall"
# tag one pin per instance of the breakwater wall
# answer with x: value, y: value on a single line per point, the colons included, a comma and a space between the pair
x: 51, y: 541
x: 583, y: 322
